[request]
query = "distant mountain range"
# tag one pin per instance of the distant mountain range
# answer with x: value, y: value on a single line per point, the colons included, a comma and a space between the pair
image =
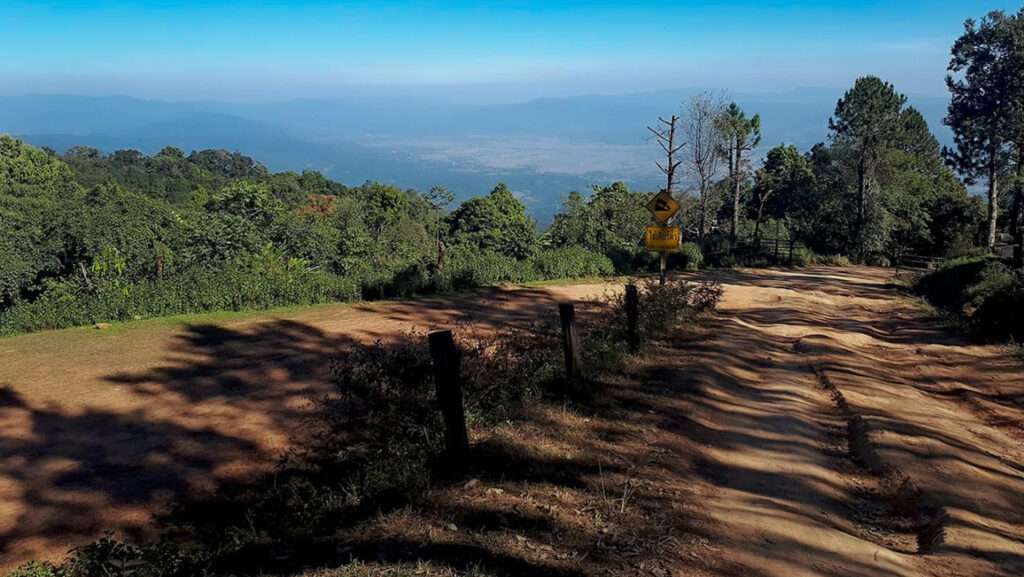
x: 541, y: 148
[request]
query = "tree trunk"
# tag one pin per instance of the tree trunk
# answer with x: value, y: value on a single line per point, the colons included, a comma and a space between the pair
x: 1015, y: 211
x: 736, y: 199
x: 703, y: 212
x: 757, y: 224
x: 993, y: 205
x: 861, y: 208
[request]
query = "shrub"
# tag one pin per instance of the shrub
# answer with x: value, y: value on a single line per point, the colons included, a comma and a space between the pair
x: 982, y: 291
x: 571, y: 262
x: 803, y: 256
x: 832, y: 260
x: 948, y: 287
x: 691, y: 256
x: 35, y: 569
x: 1001, y: 315
x: 381, y: 429
x: 253, y: 283
x: 662, y: 307
x: 468, y: 268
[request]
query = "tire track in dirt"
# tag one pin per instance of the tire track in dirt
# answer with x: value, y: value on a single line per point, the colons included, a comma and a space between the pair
x: 906, y: 506
x: 928, y: 463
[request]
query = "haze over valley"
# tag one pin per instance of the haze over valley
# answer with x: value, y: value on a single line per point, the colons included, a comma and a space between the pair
x: 542, y: 148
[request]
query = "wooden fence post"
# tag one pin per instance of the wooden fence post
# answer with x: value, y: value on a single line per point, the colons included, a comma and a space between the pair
x: 570, y: 341
x: 632, y: 317
x: 447, y: 376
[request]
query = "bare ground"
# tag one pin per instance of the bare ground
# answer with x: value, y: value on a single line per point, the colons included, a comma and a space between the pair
x: 820, y: 424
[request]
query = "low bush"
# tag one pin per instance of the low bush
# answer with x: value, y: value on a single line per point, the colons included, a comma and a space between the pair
x: 661, y: 307
x: 467, y: 268
x: 571, y: 262
x: 1001, y: 315
x: 803, y: 256
x: 268, y: 280
x: 691, y: 256
x: 241, y: 286
x: 986, y: 294
x: 831, y: 260
x: 950, y: 286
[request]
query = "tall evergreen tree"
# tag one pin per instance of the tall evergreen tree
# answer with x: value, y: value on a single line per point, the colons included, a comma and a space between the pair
x: 867, y: 122
x: 740, y: 135
x: 985, y: 83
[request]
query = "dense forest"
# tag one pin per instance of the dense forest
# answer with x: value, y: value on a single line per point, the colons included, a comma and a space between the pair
x: 89, y: 237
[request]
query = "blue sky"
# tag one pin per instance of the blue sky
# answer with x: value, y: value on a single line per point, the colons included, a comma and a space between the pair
x: 260, y: 50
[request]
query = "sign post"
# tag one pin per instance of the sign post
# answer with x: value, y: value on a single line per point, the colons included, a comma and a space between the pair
x: 663, y: 238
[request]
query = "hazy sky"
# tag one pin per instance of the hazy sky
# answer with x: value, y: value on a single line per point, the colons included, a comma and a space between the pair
x: 506, y: 50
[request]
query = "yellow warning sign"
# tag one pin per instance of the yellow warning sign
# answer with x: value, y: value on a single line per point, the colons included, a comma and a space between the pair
x: 662, y: 238
x: 663, y: 206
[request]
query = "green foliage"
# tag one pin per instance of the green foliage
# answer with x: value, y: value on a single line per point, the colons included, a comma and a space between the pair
x: 37, y: 195
x: 469, y: 268
x: 168, y: 176
x: 663, y: 307
x: 247, y: 200
x: 610, y: 222
x: 784, y: 187
x: 740, y: 135
x: 880, y: 190
x: 948, y: 287
x: 832, y: 260
x: 214, y: 230
x: 691, y: 256
x: 986, y: 112
x: 987, y: 294
x: 803, y: 256
x: 36, y: 569
x: 571, y: 262
x: 263, y: 280
x: 494, y: 223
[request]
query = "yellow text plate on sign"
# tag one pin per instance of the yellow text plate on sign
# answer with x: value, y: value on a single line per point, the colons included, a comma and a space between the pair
x: 663, y: 206
x: 662, y: 238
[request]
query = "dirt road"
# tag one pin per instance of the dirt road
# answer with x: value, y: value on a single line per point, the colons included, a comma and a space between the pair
x: 841, y: 433
x: 828, y: 427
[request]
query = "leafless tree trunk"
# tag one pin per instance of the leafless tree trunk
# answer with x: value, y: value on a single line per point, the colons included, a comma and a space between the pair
x: 665, y: 134
x: 702, y: 134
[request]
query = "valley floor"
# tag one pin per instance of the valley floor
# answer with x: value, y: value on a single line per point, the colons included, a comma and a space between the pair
x: 818, y: 424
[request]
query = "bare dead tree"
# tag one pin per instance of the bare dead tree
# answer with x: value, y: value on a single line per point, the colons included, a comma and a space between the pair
x: 665, y: 134
x: 701, y: 130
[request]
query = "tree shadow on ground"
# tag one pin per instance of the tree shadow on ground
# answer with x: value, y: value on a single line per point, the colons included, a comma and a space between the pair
x: 899, y: 369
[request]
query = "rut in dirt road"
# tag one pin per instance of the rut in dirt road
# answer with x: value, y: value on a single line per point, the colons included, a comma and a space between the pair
x: 837, y: 439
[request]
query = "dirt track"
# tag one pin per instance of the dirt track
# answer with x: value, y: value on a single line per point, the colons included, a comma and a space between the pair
x: 97, y: 427
x: 789, y: 498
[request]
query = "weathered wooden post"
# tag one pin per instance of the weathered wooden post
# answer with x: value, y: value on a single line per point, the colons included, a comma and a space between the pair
x: 570, y: 341
x: 632, y: 317
x: 447, y: 376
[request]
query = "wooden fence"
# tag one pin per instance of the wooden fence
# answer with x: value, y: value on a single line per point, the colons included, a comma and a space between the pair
x: 779, y: 249
x: 447, y: 363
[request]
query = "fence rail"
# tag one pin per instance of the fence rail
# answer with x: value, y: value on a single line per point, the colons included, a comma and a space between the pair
x: 777, y: 248
x: 921, y: 262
